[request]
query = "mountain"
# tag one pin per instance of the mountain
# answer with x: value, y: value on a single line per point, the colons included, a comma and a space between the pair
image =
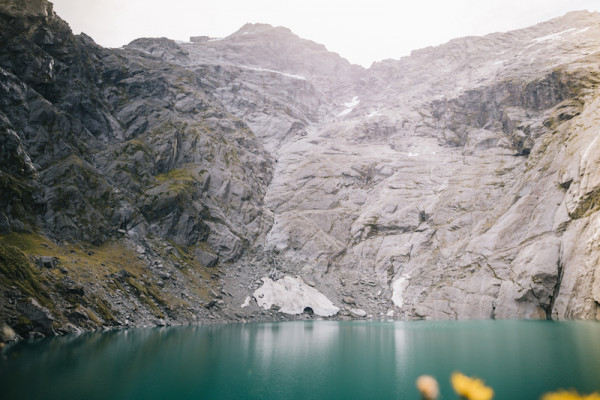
x: 262, y: 177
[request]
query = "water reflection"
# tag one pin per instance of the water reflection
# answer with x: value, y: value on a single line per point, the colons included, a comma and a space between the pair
x: 305, y: 360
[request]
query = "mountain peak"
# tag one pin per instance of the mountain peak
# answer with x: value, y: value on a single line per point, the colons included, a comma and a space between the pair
x: 259, y: 28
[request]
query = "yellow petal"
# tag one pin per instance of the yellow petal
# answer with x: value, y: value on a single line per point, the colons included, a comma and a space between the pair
x: 471, y: 388
x: 569, y: 395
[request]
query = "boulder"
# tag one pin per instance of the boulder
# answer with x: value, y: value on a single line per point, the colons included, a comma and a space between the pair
x: 359, y: 312
x: 207, y: 259
x: 47, y: 262
x: 39, y: 315
x: 80, y: 314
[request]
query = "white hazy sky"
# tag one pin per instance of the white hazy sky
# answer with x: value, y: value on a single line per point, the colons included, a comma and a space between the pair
x: 362, y: 31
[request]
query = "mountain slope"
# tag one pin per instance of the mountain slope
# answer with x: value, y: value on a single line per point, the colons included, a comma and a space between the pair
x: 177, y: 182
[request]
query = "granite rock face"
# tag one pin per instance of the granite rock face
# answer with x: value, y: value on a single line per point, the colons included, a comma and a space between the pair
x: 458, y: 182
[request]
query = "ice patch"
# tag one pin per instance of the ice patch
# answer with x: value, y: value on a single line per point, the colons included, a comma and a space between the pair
x: 246, y: 302
x: 398, y: 287
x: 293, y: 296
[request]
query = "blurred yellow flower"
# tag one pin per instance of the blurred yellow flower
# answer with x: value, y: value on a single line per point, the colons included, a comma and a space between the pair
x: 471, y: 388
x: 428, y: 387
x: 570, y: 395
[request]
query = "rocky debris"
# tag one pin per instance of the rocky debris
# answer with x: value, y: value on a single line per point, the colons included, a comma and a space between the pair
x: 163, y: 275
x: 211, y: 303
x: 120, y: 275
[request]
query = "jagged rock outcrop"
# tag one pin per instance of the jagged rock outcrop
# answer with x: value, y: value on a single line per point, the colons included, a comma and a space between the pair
x: 110, y: 145
x: 182, y: 179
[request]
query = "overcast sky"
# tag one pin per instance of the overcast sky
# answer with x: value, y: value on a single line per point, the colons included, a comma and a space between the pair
x: 361, y: 31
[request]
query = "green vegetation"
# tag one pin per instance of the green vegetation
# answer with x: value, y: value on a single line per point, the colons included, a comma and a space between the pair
x: 104, y: 310
x: 16, y: 270
x: 178, y: 174
x: 84, y: 264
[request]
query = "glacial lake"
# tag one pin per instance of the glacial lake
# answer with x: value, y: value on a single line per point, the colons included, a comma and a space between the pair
x: 305, y: 360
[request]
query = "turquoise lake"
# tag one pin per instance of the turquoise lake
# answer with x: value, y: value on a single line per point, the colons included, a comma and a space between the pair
x: 305, y: 360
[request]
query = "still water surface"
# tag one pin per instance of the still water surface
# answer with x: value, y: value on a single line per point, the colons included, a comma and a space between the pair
x: 305, y: 360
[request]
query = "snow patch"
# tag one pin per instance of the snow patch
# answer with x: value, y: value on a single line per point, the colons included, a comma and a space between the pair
x: 299, y: 77
x: 345, y: 112
x: 413, y: 154
x: 215, y: 39
x: 293, y: 296
x: 374, y: 113
x: 246, y: 302
x: 553, y: 36
x: 352, y: 103
x: 349, y: 106
x: 398, y: 287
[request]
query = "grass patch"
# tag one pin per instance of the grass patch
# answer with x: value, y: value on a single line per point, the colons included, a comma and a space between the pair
x: 16, y: 270
x: 180, y: 179
x: 99, y: 265
x: 104, y: 310
x: 178, y: 174
x: 146, y: 294
x: 84, y: 263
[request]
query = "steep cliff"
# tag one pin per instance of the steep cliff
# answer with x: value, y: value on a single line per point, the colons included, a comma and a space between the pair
x: 260, y: 176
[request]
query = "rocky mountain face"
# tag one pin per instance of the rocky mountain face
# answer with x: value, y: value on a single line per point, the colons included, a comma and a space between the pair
x: 261, y: 177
